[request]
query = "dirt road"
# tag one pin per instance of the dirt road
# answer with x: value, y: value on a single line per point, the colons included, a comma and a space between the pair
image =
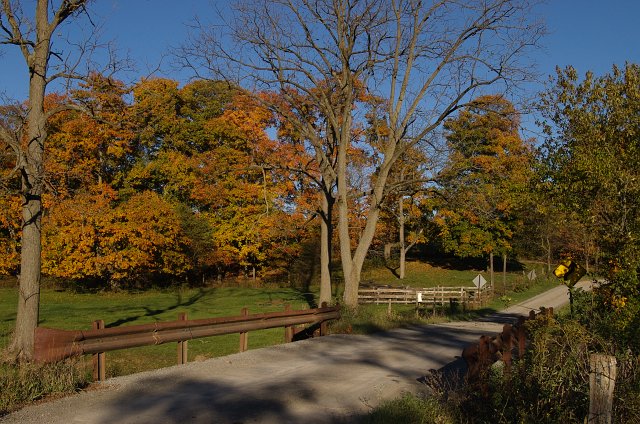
x: 334, y: 379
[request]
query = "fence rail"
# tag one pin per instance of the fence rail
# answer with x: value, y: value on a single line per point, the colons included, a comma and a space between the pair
x: 54, y: 344
x: 421, y: 296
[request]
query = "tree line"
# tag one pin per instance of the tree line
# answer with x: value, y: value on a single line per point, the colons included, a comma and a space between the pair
x: 174, y: 182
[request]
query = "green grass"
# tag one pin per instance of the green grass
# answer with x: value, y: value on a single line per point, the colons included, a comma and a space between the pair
x: 422, y: 275
x: 409, y: 410
x: 68, y: 310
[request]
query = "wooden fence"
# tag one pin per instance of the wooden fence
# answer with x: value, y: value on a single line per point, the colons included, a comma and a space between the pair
x: 424, y: 296
x: 54, y: 344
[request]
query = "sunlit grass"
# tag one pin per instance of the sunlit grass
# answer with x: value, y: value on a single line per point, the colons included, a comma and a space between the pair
x: 76, y: 311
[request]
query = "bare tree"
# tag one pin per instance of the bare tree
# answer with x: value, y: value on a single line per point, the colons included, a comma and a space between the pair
x: 424, y: 58
x: 26, y: 134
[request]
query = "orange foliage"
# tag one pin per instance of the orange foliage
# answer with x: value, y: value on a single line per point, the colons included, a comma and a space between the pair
x: 94, y: 236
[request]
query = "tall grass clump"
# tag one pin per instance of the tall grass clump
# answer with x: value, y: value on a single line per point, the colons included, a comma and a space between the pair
x: 410, y: 410
x: 24, y: 383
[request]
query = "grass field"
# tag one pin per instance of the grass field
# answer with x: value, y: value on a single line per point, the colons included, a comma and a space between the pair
x: 71, y: 310
x: 68, y: 310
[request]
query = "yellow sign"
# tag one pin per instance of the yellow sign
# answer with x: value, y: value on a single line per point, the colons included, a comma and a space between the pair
x: 571, y: 272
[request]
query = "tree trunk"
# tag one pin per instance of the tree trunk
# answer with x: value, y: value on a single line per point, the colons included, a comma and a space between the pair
x: 403, y: 252
x: 548, y: 256
x: 504, y: 272
x: 352, y: 266
x: 32, y: 170
x: 491, y: 269
x: 31, y: 165
x: 27, y: 316
x: 387, y: 250
x: 326, y: 235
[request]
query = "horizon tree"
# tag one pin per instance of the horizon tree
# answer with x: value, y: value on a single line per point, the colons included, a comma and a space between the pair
x: 484, y: 181
x: 425, y: 59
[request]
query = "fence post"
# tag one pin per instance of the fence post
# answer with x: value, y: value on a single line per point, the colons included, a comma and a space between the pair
x: 244, y: 337
x: 288, y: 329
x: 602, y: 380
x: 182, y: 345
x: 99, y: 365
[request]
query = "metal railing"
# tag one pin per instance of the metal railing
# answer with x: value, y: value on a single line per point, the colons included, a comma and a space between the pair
x: 55, y: 344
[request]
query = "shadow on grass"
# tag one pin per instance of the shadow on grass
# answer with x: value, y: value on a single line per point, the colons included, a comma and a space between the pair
x: 149, y: 312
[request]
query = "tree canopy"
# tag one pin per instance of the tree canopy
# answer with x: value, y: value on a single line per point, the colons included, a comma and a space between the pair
x: 591, y: 158
x: 485, y: 180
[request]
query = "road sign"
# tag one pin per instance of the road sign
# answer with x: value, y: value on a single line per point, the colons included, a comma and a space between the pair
x: 532, y: 275
x: 479, y: 281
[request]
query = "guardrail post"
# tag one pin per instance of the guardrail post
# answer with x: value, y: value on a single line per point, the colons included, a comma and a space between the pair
x: 288, y: 329
x: 244, y: 337
x: 323, y: 324
x: 183, y: 345
x: 99, y: 365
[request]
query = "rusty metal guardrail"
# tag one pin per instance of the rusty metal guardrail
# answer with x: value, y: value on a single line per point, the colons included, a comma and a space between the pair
x: 54, y: 344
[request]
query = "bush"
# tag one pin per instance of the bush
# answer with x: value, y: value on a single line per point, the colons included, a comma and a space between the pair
x: 612, y: 314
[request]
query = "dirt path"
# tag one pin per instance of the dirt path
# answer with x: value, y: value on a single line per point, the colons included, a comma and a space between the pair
x: 326, y: 380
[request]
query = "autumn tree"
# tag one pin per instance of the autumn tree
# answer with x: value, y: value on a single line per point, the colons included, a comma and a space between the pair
x: 485, y: 180
x: 204, y: 147
x: 33, y: 35
x: 424, y: 58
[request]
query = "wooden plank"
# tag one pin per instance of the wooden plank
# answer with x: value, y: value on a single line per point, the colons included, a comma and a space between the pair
x: 602, y: 379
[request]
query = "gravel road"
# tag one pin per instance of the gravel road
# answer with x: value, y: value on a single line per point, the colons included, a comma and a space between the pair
x: 333, y: 379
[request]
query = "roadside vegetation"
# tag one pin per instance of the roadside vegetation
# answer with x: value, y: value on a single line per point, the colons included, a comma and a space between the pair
x: 550, y: 384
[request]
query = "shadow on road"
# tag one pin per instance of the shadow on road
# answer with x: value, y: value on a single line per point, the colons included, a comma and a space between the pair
x: 327, y: 380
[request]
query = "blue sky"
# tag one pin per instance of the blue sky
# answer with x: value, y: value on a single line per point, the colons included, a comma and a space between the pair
x: 588, y: 34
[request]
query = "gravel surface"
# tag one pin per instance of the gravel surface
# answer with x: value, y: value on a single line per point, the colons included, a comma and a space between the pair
x: 333, y: 379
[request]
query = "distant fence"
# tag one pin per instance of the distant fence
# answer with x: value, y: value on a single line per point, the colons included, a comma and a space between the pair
x: 424, y: 296
x: 54, y: 344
